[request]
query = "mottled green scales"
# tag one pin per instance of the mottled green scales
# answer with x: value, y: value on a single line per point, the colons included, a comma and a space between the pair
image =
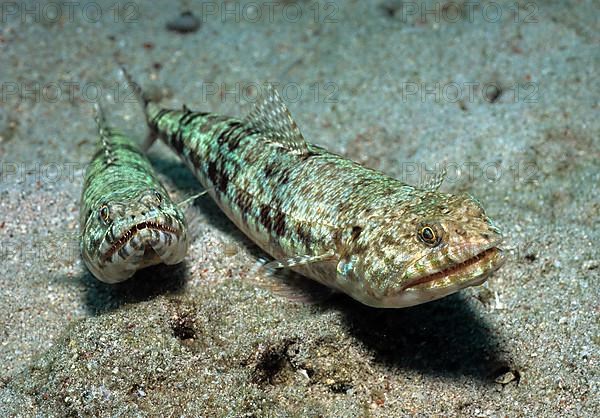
x: 127, y: 220
x: 354, y: 229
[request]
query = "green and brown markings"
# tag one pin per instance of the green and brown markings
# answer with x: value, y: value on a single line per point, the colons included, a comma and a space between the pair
x: 127, y: 220
x: 354, y: 229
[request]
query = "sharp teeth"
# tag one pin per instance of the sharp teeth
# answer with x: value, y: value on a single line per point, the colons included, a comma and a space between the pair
x: 444, y: 274
x: 131, y: 232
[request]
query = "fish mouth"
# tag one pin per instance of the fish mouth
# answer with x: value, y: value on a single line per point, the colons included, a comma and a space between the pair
x: 470, y: 272
x: 130, y: 233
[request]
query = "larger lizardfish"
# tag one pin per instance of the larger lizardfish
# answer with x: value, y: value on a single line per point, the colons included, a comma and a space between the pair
x: 381, y: 241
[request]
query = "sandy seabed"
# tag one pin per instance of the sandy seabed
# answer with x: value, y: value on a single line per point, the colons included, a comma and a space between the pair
x: 503, y: 93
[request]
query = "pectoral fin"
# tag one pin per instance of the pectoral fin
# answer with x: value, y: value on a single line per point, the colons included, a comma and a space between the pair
x: 299, y: 261
x: 288, y: 284
x: 192, y: 198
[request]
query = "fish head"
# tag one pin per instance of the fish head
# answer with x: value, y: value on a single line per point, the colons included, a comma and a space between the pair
x: 133, y: 231
x: 426, y: 247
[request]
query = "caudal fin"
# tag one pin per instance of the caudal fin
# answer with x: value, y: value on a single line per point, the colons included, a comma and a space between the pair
x: 145, y: 101
x: 137, y: 89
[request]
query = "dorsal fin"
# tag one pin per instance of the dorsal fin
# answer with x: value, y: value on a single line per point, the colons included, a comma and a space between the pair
x: 104, y: 132
x: 271, y: 117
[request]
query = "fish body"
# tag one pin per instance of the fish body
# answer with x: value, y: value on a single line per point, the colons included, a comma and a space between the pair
x: 354, y: 229
x: 127, y: 220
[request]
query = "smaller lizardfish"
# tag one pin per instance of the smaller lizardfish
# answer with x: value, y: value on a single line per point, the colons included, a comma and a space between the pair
x: 127, y: 220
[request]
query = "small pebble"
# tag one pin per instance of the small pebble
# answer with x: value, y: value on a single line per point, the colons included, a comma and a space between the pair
x: 230, y: 250
x: 185, y: 23
x: 507, y: 377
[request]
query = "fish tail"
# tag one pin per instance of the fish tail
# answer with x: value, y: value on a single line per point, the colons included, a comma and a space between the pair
x: 140, y: 95
x: 149, y: 108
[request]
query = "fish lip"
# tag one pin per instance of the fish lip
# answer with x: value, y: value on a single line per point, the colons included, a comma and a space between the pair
x: 492, y: 250
x: 131, y: 232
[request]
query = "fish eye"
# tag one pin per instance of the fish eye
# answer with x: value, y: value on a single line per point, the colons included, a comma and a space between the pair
x: 104, y: 213
x: 158, y: 196
x: 429, y: 236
